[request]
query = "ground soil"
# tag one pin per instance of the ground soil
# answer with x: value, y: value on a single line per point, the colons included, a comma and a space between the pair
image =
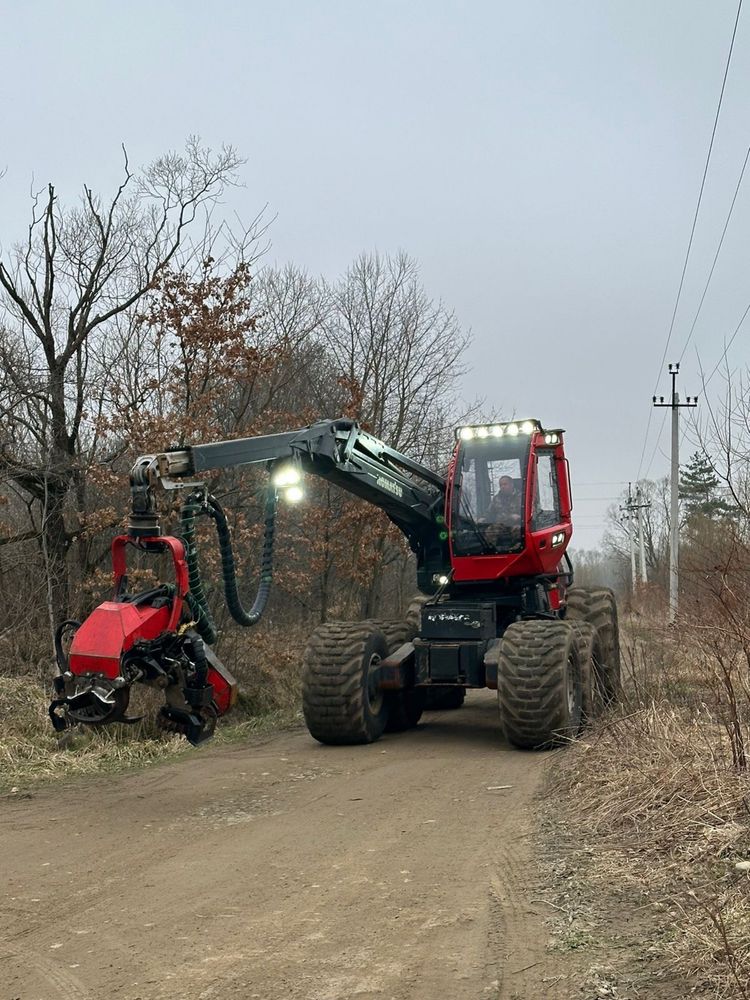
x: 284, y: 869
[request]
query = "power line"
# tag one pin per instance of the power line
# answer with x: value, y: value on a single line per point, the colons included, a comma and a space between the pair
x: 714, y: 370
x: 605, y: 482
x: 633, y: 514
x: 700, y: 193
x: 656, y: 446
x: 692, y: 229
x: 716, y: 255
x: 727, y: 346
x: 675, y: 405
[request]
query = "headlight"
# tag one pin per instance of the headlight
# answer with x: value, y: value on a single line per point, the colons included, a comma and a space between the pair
x: 513, y: 429
x: 467, y: 433
x: 527, y: 427
x: 286, y: 475
x: 294, y: 494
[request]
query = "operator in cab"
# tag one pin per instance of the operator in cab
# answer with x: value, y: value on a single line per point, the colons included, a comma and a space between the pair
x: 504, y: 514
x: 505, y: 506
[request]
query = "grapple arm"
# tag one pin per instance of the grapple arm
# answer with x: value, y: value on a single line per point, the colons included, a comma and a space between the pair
x: 339, y: 451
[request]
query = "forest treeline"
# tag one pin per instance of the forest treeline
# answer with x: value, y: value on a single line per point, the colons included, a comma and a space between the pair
x: 139, y: 323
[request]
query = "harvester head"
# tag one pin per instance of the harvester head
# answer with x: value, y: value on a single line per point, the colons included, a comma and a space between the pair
x: 146, y: 638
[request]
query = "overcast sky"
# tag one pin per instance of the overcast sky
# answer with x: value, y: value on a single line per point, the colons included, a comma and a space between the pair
x: 541, y: 160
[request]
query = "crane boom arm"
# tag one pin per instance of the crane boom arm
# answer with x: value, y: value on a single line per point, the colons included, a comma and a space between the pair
x: 338, y: 451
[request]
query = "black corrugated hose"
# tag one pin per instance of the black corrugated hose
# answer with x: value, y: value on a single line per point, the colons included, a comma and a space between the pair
x: 196, y: 597
x: 195, y: 505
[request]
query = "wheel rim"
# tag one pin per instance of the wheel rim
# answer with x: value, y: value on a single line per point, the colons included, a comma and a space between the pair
x: 372, y: 691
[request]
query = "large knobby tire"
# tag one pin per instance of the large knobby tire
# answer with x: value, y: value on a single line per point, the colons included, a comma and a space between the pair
x: 340, y: 698
x: 539, y: 684
x: 597, y: 606
x: 396, y: 632
x: 404, y: 708
x: 444, y: 699
x: 413, y: 615
x: 592, y: 676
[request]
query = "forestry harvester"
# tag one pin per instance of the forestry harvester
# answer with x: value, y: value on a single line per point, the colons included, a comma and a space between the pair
x: 497, y: 607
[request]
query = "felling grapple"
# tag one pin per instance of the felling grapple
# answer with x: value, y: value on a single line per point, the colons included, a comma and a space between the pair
x: 497, y: 610
x: 141, y: 638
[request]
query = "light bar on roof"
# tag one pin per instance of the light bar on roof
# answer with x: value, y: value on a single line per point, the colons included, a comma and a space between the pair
x: 486, y: 432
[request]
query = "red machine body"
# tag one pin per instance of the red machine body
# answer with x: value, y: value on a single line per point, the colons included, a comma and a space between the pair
x: 111, y: 630
x: 544, y: 540
x: 115, y: 626
x: 126, y: 638
x: 490, y: 541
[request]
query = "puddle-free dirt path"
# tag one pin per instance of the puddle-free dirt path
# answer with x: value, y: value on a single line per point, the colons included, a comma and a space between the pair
x: 283, y: 869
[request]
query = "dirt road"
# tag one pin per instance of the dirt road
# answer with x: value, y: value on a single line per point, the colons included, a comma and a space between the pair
x: 284, y: 869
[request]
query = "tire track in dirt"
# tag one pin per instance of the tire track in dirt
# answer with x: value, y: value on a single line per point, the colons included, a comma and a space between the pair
x: 283, y: 869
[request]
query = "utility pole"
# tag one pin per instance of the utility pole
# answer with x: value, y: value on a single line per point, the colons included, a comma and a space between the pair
x: 674, y: 527
x: 630, y: 508
x: 641, y: 507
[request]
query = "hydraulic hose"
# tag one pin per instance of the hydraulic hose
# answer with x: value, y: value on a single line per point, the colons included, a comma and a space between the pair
x: 196, y: 597
x: 62, y: 659
x: 228, y: 569
x: 196, y: 505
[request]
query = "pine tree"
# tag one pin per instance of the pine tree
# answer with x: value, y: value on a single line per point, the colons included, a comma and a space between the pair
x: 699, y: 490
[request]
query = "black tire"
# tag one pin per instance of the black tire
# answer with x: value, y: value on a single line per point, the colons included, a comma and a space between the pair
x: 396, y: 632
x: 413, y: 617
x: 404, y: 709
x: 340, y: 702
x: 592, y: 677
x: 539, y: 690
x: 444, y: 699
x: 598, y: 607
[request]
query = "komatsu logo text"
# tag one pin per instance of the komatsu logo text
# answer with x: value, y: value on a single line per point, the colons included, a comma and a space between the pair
x: 388, y: 484
x: 453, y: 616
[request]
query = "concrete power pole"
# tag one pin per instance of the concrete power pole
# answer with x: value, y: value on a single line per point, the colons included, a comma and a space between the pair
x: 674, y: 526
x: 641, y: 507
x: 628, y: 510
x: 632, y: 506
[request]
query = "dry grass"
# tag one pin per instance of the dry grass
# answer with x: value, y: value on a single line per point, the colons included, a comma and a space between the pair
x: 267, y: 663
x: 268, y: 669
x: 31, y: 752
x: 654, y: 791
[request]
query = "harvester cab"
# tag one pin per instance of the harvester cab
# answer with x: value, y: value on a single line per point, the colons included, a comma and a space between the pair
x: 496, y: 608
x: 508, y: 502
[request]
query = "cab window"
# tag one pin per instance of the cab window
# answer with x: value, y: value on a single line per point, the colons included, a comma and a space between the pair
x: 488, y: 497
x: 546, y: 512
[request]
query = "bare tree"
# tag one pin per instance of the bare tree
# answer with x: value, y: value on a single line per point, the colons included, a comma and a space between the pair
x: 655, y: 520
x: 79, y: 272
x: 724, y: 438
x: 401, y: 350
x: 400, y: 356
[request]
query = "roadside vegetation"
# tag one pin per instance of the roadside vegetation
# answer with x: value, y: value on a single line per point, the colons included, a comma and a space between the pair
x: 661, y: 813
x: 658, y: 791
